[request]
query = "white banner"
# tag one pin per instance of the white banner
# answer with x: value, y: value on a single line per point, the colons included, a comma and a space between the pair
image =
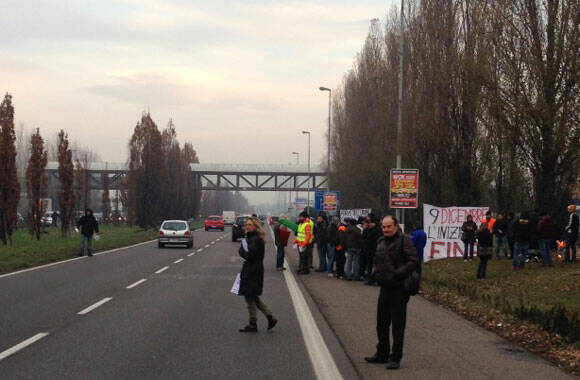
x: 443, y: 228
x: 354, y: 213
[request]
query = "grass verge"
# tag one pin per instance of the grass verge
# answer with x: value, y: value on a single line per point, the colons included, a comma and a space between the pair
x: 537, y: 308
x: 26, y: 252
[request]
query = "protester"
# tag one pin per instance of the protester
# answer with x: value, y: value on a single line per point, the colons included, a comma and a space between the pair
x: 332, y: 239
x: 281, y: 236
x: 252, y: 274
x: 88, y: 226
x: 547, y: 236
x: 490, y: 220
x: 571, y: 235
x: 371, y: 236
x: 320, y: 236
x: 500, y: 230
x: 395, y: 259
x: 510, y: 235
x: 522, y: 241
x: 419, y: 239
x: 468, y: 237
x: 304, y: 240
x: 340, y: 252
x: 484, y: 248
x: 353, y: 247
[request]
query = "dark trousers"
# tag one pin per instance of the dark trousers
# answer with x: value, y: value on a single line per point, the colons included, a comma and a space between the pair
x: 391, y: 311
x: 570, y: 253
x: 363, y: 264
x: 482, y: 268
x: 370, y: 257
x: 340, y: 261
x: 468, y: 251
x: 280, y: 256
x: 304, y: 259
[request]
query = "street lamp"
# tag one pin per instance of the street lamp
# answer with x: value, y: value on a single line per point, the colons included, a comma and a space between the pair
x: 297, y: 154
x: 328, y: 153
x: 308, y: 186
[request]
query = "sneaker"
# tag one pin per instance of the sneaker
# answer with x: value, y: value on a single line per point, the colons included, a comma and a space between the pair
x: 249, y: 328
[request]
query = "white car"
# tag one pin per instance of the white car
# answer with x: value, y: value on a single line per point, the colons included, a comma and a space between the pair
x: 175, y: 232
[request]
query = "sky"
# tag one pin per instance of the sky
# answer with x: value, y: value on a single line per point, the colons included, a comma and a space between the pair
x: 239, y: 78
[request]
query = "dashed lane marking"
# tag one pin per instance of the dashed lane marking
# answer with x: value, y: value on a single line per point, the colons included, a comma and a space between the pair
x: 94, y: 306
x: 161, y: 270
x: 136, y: 283
x: 12, y: 350
x: 207, y: 246
x: 191, y: 254
x: 177, y: 261
x: 199, y: 250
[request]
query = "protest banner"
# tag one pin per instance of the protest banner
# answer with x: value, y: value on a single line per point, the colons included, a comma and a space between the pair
x: 354, y: 213
x: 443, y: 228
x: 404, y: 189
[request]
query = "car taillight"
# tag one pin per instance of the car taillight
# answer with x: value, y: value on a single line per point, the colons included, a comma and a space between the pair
x: 160, y: 233
x: 187, y: 233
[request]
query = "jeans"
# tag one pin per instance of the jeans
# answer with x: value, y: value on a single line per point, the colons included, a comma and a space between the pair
x: 570, y: 248
x: 322, y: 256
x: 523, y: 249
x: 330, y: 249
x: 391, y: 311
x: 546, y: 254
x: 501, y: 241
x: 353, y: 264
x: 280, y: 256
x: 89, y: 240
x: 468, y: 245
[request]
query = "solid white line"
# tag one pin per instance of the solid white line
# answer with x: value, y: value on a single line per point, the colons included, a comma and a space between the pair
x: 320, y: 357
x: 21, y: 345
x: 136, y: 283
x: 199, y: 250
x: 191, y: 254
x: 161, y: 270
x: 94, y: 306
x: 177, y: 261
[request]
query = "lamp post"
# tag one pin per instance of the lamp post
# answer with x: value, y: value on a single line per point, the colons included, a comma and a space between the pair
x: 308, y: 182
x: 328, y: 153
x: 297, y: 154
x: 400, y: 212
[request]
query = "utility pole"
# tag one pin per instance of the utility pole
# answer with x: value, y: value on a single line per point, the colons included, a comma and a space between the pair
x: 400, y: 212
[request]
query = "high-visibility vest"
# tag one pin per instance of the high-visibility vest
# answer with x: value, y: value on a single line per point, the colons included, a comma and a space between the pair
x: 301, y: 236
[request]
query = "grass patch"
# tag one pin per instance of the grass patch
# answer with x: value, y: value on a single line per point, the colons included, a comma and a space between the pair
x: 548, y: 297
x: 26, y: 252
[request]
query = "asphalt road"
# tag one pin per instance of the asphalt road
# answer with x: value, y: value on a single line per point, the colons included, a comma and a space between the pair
x: 124, y: 315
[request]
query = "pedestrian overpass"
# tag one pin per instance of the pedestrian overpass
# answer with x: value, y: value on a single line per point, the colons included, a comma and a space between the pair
x: 231, y: 177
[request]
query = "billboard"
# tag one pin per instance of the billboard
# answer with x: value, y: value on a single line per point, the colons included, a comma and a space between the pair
x: 404, y: 189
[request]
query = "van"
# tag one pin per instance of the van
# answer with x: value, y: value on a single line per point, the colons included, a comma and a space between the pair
x: 229, y: 217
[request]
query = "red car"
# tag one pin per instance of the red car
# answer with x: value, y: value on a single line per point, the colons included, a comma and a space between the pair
x: 214, y: 222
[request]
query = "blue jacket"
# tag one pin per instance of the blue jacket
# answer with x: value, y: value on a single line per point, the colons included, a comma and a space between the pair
x: 419, y: 238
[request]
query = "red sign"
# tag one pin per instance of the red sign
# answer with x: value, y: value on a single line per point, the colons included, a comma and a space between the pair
x: 404, y: 188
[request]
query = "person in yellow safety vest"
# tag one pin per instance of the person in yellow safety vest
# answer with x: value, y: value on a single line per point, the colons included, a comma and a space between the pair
x: 305, y: 240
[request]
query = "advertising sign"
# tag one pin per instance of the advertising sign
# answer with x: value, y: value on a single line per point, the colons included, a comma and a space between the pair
x: 404, y: 191
x: 443, y: 228
x: 331, y: 201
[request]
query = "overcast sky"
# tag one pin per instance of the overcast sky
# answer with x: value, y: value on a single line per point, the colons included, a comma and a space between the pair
x: 239, y: 78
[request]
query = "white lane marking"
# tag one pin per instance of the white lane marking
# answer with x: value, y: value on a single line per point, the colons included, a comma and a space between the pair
x: 136, y: 283
x: 212, y: 243
x: 199, y: 250
x: 21, y: 345
x: 94, y: 306
x: 320, y: 357
x: 207, y: 246
x: 177, y: 261
x: 191, y: 254
x: 161, y: 270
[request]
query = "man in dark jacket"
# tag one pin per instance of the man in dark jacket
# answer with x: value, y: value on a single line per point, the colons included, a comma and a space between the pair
x: 321, y: 241
x: 500, y: 231
x: 547, y: 236
x: 395, y: 259
x: 571, y: 234
x: 332, y: 240
x: 88, y: 226
x: 522, y: 235
x: 371, y: 236
x: 353, y: 245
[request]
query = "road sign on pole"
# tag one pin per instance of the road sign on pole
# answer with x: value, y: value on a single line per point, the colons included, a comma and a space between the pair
x: 404, y: 189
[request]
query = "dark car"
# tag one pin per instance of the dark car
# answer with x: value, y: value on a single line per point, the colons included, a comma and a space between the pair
x: 239, y: 228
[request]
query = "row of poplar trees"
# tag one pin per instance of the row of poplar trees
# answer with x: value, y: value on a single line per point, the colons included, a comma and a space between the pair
x: 159, y: 184
x: 491, y: 105
x: 36, y: 179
